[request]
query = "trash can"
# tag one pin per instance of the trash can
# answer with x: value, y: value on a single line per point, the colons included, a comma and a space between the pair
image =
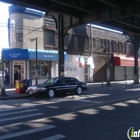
x: 27, y: 83
x: 19, y: 86
x: 30, y: 82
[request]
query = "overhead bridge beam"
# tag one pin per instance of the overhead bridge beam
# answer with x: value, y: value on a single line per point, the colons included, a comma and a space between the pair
x: 75, y: 7
x: 110, y: 4
x: 126, y: 23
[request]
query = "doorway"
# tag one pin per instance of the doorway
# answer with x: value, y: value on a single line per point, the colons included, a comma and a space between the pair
x: 19, y: 66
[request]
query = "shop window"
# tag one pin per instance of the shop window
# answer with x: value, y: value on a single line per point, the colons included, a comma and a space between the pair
x: 43, y: 69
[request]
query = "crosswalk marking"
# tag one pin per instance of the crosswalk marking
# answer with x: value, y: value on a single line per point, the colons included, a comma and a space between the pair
x: 12, y: 113
x: 13, y: 101
x: 11, y: 109
x: 56, y: 137
x: 20, y: 117
x: 26, y: 132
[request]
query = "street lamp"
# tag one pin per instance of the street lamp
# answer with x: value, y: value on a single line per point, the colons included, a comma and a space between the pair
x: 2, y: 82
x: 32, y: 39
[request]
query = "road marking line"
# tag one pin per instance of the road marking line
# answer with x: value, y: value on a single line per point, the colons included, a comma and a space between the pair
x: 26, y: 132
x: 13, y: 101
x: 11, y: 109
x: 56, y: 137
x: 29, y: 110
x: 89, y: 101
x: 20, y: 117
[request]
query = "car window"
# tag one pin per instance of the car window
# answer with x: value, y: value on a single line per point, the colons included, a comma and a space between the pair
x: 66, y: 80
x: 52, y: 80
x: 70, y: 80
x: 60, y: 81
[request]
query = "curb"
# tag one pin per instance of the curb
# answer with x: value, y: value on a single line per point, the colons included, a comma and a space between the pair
x: 112, y: 87
x: 8, y: 98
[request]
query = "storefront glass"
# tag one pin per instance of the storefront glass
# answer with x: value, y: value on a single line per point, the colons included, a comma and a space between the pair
x: 43, y: 69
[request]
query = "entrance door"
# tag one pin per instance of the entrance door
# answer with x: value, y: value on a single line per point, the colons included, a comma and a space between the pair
x: 20, y: 70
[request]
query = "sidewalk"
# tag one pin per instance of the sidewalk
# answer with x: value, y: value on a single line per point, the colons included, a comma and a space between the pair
x: 11, y: 92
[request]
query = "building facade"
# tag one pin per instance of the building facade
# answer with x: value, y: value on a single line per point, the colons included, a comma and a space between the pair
x: 112, y: 52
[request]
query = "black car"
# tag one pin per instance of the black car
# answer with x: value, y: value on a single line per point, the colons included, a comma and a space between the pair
x: 58, y: 85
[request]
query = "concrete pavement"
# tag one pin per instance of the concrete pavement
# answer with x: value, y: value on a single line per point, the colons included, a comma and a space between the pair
x: 11, y: 92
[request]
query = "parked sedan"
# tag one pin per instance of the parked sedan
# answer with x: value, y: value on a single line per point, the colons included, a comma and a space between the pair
x: 58, y: 85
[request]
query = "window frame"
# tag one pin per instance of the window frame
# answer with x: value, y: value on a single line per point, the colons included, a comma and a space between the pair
x: 86, y: 43
x: 76, y: 46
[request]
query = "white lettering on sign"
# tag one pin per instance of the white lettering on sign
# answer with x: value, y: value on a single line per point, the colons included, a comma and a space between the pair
x: 14, y: 55
x: 48, y: 55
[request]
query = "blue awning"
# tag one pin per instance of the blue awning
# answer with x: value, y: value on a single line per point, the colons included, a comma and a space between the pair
x: 15, y: 54
x: 30, y: 54
x: 44, y: 54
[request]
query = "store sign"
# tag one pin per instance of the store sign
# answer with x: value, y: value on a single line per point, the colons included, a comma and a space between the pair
x: 15, y: 54
x: 49, y: 55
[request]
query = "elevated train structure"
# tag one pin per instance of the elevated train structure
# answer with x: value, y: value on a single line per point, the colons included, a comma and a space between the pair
x: 121, y: 15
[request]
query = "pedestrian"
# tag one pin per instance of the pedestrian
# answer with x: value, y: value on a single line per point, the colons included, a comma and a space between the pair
x: 15, y: 76
x: 6, y: 78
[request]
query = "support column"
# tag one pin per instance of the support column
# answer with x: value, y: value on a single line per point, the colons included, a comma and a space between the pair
x: 136, y: 74
x: 60, y: 45
x: 63, y: 23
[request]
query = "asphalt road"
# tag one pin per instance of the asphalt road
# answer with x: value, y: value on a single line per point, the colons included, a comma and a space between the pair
x: 98, y: 115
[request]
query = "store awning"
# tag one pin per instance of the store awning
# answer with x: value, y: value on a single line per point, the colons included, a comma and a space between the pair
x: 124, y: 61
x: 15, y: 54
x: 44, y: 54
x: 30, y: 54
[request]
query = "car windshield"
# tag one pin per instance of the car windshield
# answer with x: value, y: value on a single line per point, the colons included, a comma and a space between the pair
x: 51, y: 81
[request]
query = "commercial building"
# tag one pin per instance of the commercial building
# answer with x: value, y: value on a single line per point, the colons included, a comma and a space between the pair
x: 111, y: 52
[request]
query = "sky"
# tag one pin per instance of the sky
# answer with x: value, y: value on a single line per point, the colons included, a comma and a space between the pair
x: 4, y: 15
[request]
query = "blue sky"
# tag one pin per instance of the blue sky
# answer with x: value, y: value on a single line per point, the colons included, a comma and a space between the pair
x: 4, y: 14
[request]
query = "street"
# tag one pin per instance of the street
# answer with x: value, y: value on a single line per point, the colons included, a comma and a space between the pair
x: 99, y: 115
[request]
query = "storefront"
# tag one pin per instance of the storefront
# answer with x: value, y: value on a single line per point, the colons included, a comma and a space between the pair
x: 124, y: 67
x: 24, y: 61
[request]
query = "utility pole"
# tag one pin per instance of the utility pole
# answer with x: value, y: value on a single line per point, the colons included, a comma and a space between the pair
x: 2, y: 82
x: 108, y: 66
x: 36, y: 59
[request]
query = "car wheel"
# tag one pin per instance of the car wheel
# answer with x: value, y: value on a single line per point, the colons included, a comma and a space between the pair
x: 79, y: 90
x: 51, y: 93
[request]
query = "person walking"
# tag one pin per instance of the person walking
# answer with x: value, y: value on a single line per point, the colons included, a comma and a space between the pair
x: 15, y: 76
x: 6, y: 78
